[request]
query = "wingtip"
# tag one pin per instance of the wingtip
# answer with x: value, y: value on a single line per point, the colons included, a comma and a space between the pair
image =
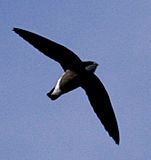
x: 115, y: 136
x: 15, y: 29
x: 117, y: 142
x: 117, y: 139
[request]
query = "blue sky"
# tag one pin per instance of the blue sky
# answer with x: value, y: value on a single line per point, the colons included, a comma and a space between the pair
x: 115, y: 34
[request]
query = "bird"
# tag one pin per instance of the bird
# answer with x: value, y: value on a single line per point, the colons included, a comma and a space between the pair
x: 77, y: 73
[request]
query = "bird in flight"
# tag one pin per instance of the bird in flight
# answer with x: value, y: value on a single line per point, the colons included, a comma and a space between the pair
x: 77, y: 73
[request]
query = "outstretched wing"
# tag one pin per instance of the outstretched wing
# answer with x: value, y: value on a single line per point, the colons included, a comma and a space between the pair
x: 57, y: 52
x: 101, y: 104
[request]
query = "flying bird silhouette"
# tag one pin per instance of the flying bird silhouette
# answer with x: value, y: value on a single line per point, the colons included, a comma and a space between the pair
x: 77, y: 73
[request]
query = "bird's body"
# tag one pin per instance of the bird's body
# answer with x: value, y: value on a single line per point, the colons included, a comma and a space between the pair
x: 77, y: 73
x: 66, y: 83
x: 70, y: 80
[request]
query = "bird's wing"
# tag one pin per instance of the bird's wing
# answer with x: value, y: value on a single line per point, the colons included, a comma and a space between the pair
x: 57, y: 52
x: 101, y: 104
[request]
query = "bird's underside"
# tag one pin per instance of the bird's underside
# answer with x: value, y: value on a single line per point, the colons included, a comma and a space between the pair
x: 77, y: 74
x: 69, y: 81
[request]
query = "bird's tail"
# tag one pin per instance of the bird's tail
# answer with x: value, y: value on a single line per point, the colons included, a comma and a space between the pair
x: 52, y: 96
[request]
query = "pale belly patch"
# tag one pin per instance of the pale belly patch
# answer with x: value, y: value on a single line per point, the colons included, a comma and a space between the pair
x: 57, y: 90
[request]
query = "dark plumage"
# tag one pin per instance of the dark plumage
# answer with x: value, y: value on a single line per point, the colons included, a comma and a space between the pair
x: 76, y: 74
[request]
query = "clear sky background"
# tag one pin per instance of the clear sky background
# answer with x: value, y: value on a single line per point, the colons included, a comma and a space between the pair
x: 117, y: 35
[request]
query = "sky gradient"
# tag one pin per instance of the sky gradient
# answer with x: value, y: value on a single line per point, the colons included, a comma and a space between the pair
x: 115, y: 34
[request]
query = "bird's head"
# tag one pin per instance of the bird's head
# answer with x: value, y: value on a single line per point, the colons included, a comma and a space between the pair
x: 90, y: 66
